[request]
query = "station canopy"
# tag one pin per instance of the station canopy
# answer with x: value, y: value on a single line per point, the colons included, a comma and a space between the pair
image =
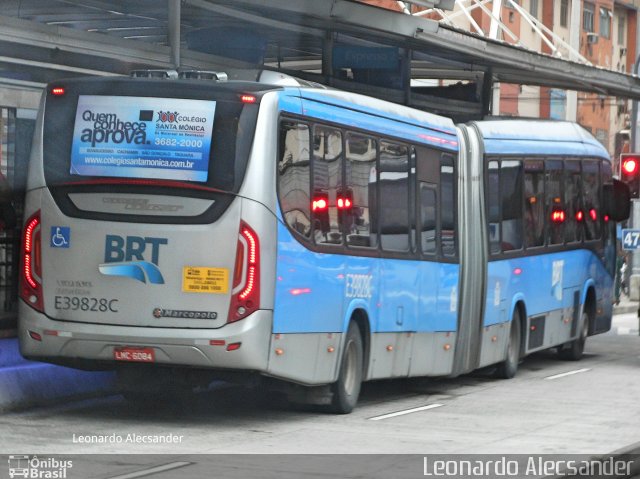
x: 340, y: 43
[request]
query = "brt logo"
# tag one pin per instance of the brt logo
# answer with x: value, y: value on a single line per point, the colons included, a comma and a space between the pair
x: 118, y: 248
x: 129, y: 257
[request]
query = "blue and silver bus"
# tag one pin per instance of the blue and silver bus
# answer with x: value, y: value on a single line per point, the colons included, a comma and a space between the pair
x: 309, y: 235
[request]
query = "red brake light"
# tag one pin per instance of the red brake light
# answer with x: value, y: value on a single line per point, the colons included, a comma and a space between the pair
x: 29, y: 240
x: 246, y: 277
x: 31, y: 282
x: 239, y: 264
x: 593, y: 214
x: 58, y: 91
x: 579, y: 216
x: 248, y: 99
x: 252, y: 242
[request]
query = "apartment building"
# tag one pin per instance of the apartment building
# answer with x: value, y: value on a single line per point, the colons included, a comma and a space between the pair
x: 608, y: 39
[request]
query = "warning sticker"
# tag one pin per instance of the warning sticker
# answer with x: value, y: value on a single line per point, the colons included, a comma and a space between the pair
x: 205, y: 280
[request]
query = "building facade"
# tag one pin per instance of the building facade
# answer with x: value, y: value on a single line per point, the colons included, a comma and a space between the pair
x: 607, y: 38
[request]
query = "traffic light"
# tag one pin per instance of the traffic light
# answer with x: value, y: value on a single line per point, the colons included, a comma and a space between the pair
x: 630, y: 172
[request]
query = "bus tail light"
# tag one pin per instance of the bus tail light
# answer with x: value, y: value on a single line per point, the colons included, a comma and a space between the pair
x: 31, y: 264
x: 245, y: 297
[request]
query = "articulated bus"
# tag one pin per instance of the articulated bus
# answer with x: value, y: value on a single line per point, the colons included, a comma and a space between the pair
x: 282, y: 230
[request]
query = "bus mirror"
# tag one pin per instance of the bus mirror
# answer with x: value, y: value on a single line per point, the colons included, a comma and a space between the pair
x: 617, y: 201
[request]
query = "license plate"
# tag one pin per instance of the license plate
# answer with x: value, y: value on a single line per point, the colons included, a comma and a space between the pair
x: 136, y: 355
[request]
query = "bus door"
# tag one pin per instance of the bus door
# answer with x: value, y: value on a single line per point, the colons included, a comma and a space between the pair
x: 498, y: 272
x: 437, y: 311
x: 399, y: 278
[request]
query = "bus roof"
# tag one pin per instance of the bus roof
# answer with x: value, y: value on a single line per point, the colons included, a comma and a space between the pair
x: 381, y: 108
x: 539, y: 136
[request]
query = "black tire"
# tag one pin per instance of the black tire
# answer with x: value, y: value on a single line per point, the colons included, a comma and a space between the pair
x: 574, y: 350
x: 509, y: 367
x: 347, y: 388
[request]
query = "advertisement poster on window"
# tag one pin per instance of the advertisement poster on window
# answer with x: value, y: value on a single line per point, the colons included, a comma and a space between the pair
x: 136, y: 137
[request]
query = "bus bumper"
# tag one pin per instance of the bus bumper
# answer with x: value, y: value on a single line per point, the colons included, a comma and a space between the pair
x: 242, y: 345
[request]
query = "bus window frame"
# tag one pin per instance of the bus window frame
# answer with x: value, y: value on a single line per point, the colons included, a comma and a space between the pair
x: 592, y: 244
x: 414, y: 252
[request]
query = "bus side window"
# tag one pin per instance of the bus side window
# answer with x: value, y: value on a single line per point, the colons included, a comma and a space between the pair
x: 534, y: 203
x: 493, y: 206
x: 393, y: 188
x: 294, y: 177
x: 327, y: 184
x: 511, y: 197
x: 556, y: 213
x: 361, y: 155
x: 573, y: 200
x: 447, y: 206
x: 591, y: 199
x: 428, y: 218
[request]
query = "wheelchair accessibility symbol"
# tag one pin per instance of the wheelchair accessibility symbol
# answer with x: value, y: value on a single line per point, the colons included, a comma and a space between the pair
x: 60, y: 236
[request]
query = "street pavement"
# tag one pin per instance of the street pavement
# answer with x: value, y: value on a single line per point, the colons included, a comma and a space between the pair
x: 551, y: 407
x: 586, y: 410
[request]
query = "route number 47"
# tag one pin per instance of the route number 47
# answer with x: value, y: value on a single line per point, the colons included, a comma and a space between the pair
x: 630, y: 239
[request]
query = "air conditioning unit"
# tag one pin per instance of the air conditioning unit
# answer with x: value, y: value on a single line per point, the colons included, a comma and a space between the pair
x: 592, y: 38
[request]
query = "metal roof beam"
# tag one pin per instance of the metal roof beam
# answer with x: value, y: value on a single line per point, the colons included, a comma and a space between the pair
x: 56, y: 38
x: 343, y: 15
x: 253, y: 18
x: 508, y: 63
x: 516, y: 65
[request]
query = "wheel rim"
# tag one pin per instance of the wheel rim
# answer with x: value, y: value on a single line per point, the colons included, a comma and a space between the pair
x: 350, y: 364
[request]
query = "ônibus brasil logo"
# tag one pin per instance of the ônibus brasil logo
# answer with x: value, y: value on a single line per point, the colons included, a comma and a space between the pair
x: 33, y: 467
x: 168, y: 116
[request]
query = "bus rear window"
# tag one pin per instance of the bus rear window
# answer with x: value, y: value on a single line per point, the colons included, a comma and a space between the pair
x: 127, y: 132
x: 142, y: 137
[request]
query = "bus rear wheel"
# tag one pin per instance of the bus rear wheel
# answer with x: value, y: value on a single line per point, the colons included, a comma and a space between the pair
x: 347, y: 388
x: 574, y: 350
x: 509, y: 367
